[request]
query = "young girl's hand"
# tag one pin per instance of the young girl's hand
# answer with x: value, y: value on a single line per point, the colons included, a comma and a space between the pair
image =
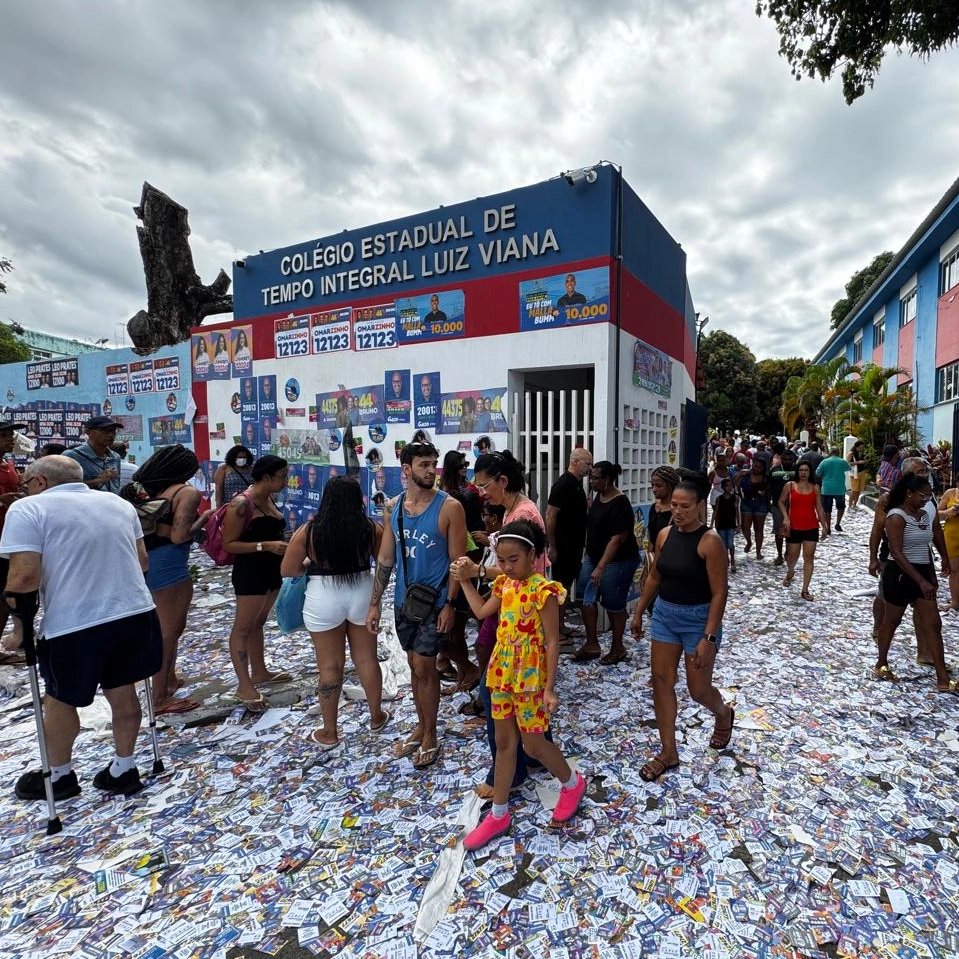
x: 550, y: 701
x: 460, y: 569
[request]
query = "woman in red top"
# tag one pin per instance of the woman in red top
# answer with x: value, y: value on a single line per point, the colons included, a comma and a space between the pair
x: 803, y: 514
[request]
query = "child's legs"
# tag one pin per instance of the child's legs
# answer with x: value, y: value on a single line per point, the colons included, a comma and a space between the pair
x: 533, y: 723
x: 507, y: 739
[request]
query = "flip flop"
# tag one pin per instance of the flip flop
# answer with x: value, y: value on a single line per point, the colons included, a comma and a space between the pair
x: 406, y: 747
x: 611, y: 659
x: 387, y: 716
x: 176, y: 706
x: 951, y: 690
x: 322, y: 746
x: 653, y: 769
x: 12, y: 657
x: 426, y: 757
x: 259, y: 705
x: 276, y: 678
x: 583, y: 655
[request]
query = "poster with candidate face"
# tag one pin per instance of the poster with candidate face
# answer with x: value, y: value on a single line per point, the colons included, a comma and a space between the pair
x: 396, y: 396
x: 565, y: 299
x: 267, y: 386
x: 240, y: 348
x: 473, y: 411
x: 201, y: 356
x: 426, y: 400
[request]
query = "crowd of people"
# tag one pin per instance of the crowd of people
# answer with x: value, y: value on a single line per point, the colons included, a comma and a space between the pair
x: 454, y: 548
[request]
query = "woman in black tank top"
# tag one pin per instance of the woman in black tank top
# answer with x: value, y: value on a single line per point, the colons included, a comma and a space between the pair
x: 689, y: 577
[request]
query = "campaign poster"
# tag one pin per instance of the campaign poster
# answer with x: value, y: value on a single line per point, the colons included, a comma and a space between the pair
x: 219, y: 367
x: 432, y: 316
x: 118, y: 379
x: 267, y: 385
x: 201, y: 354
x: 302, y: 446
x: 241, y: 350
x: 249, y: 398
x: 472, y: 411
x: 330, y: 331
x: 360, y: 406
x: 74, y: 416
x: 652, y: 370
x: 166, y: 373
x: 396, y: 390
x: 293, y: 516
x: 426, y: 407
x: 39, y: 375
x: 66, y: 372
x: 374, y: 327
x: 167, y: 430
x: 267, y: 427
x: 50, y: 424
x: 291, y: 337
x: 312, y: 488
x: 250, y: 435
x: 131, y: 428
x: 566, y: 299
x: 141, y: 377
x: 333, y: 409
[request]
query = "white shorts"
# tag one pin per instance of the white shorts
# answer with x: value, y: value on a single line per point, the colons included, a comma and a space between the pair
x: 330, y: 602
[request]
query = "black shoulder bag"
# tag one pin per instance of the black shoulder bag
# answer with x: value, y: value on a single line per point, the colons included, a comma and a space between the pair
x: 419, y: 601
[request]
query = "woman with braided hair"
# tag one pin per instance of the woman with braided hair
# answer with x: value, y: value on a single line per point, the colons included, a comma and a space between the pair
x: 166, y: 475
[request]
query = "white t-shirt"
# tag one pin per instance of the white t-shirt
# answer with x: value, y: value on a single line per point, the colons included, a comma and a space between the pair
x: 90, y: 570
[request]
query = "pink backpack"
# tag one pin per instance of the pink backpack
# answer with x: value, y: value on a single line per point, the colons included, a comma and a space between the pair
x: 214, y: 533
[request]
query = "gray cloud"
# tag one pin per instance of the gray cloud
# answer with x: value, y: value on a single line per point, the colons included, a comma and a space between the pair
x: 279, y: 123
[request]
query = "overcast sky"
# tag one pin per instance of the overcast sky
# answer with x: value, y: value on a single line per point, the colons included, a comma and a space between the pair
x: 278, y: 123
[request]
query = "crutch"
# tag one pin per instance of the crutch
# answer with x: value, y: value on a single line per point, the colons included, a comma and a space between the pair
x: 157, y: 762
x: 24, y: 606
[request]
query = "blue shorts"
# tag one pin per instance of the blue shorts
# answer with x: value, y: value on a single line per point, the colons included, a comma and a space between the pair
x: 169, y: 565
x: 828, y: 499
x: 614, y: 584
x: 681, y: 625
x: 755, y: 507
x: 727, y: 535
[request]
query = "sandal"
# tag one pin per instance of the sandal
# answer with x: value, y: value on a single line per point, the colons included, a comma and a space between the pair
x: 652, y: 770
x: 584, y: 655
x: 448, y: 674
x: 611, y: 658
x: 406, y: 748
x: 387, y: 716
x: 805, y: 595
x: 788, y: 578
x: 722, y: 734
x: 322, y: 746
x: 884, y: 674
x: 426, y: 757
x: 951, y: 690
x: 172, y: 706
x: 275, y: 678
x: 259, y: 705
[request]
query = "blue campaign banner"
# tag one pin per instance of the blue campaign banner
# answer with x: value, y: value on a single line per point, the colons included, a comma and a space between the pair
x: 546, y: 223
x: 167, y: 430
x: 426, y: 407
x: 396, y: 393
x: 565, y: 299
x: 267, y: 386
x: 356, y: 407
x: 472, y: 411
x: 250, y: 435
x: 249, y: 402
x: 432, y: 316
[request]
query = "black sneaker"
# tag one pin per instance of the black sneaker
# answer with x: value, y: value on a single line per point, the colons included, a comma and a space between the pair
x: 30, y: 786
x: 125, y: 785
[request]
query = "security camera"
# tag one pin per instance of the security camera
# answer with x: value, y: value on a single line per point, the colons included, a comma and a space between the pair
x: 240, y: 263
x: 583, y: 175
x: 590, y: 175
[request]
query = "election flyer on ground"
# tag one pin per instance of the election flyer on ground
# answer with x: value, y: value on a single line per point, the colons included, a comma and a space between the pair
x: 432, y: 316
x: 566, y: 299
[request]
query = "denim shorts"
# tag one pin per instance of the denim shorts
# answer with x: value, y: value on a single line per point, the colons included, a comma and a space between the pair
x: 614, y: 584
x: 681, y: 625
x: 755, y: 507
x: 727, y: 536
x: 828, y: 500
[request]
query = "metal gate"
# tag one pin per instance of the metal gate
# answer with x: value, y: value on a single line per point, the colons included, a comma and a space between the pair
x: 546, y: 427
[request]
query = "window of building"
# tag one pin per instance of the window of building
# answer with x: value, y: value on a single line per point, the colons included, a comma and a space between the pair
x: 947, y: 383
x: 879, y: 329
x: 907, y: 307
x: 857, y: 349
x: 949, y: 272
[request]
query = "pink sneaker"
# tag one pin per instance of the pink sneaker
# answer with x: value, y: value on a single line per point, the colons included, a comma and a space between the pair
x: 489, y: 828
x: 569, y: 800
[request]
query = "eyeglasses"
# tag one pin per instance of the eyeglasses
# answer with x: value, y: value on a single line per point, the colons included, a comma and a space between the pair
x: 25, y: 485
x: 492, y: 479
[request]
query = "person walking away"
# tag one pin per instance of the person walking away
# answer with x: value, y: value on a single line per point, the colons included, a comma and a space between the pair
x: 612, y: 555
x: 430, y: 528
x: 801, y: 504
x: 107, y: 638
x: 335, y: 551
x: 832, y: 472
x: 948, y: 513
x: 909, y: 577
x: 566, y: 527
x: 857, y: 460
x: 253, y: 530
x: 726, y: 520
x: 690, y: 582
x: 522, y: 672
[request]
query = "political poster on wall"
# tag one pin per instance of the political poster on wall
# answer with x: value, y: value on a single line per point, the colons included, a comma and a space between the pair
x: 432, y: 316
x: 249, y: 401
x: 141, y: 377
x: 241, y: 363
x: 201, y: 356
x: 220, y: 364
x: 267, y: 385
x: 53, y: 373
x: 167, y: 430
x: 359, y: 406
x: 374, y: 327
x: 291, y: 337
x: 426, y: 408
x: 166, y: 373
x: 117, y: 379
x: 396, y: 390
x: 330, y: 331
x: 472, y: 411
x: 652, y: 370
x: 566, y: 299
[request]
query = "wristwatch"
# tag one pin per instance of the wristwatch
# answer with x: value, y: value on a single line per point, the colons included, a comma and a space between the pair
x: 259, y: 547
x: 710, y: 638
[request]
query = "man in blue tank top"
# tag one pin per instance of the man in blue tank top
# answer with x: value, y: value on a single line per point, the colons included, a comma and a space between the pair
x: 433, y: 534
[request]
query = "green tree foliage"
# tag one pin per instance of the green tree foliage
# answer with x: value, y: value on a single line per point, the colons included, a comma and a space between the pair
x: 5, y: 267
x: 772, y: 376
x: 820, y: 37
x: 857, y: 286
x: 12, y: 350
x: 809, y: 401
x: 729, y: 369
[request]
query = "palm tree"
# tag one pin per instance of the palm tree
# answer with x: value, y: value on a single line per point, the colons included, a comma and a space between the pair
x: 816, y: 397
x: 881, y: 414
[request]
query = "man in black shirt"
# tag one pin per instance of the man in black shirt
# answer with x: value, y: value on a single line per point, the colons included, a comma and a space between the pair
x: 435, y: 315
x: 566, y: 524
x: 571, y: 297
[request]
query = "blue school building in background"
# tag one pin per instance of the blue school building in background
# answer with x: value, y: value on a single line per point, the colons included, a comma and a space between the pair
x: 909, y: 319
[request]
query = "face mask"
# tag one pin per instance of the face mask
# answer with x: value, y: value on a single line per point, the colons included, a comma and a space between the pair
x: 241, y: 461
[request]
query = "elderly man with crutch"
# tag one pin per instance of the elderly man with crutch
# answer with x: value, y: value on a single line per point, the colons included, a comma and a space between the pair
x: 84, y: 553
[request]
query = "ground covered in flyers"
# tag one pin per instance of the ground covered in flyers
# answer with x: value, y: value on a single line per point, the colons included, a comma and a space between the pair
x: 827, y: 828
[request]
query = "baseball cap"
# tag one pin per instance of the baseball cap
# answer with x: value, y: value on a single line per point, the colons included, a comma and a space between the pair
x: 102, y: 423
x: 10, y: 425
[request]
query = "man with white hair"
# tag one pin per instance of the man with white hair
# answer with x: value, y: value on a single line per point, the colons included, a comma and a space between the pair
x: 58, y: 539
